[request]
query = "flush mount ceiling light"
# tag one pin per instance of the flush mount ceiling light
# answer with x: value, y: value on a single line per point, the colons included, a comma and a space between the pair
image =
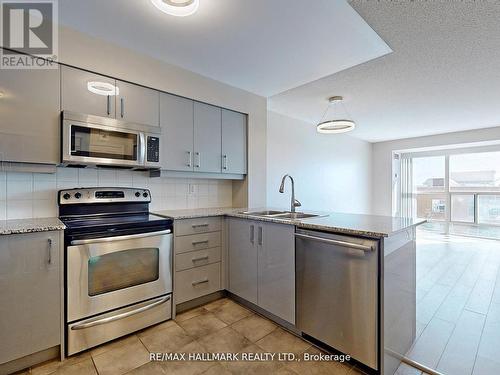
x: 179, y: 8
x: 335, y: 119
x: 103, y: 88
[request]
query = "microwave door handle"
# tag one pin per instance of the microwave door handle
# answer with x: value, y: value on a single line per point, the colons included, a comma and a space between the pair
x: 120, y: 238
x: 142, y: 149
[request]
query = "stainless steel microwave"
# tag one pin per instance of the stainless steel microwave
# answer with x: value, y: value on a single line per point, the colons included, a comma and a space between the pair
x: 100, y: 141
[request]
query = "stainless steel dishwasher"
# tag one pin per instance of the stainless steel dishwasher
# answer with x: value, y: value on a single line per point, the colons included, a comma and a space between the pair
x: 337, y: 292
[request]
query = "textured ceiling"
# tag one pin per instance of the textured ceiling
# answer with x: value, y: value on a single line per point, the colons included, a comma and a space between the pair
x: 443, y: 76
x: 263, y: 46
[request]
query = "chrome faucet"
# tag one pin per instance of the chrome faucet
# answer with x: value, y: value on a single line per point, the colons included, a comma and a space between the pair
x: 294, y: 202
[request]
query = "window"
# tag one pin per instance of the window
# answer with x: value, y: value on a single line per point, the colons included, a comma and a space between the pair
x: 429, y: 187
x: 462, y: 208
x: 478, y: 172
x: 488, y: 209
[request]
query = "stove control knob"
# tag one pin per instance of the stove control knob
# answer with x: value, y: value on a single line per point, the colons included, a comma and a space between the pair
x: 78, y: 195
x: 137, y: 194
x: 145, y: 195
x: 66, y: 196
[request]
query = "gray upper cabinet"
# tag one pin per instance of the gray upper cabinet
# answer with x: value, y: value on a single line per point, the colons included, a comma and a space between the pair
x: 29, y: 108
x: 137, y: 104
x: 243, y: 258
x: 176, y: 119
x: 234, y: 142
x: 76, y: 96
x: 30, y: 302
x: 276, y: 269
x: 207, y: 138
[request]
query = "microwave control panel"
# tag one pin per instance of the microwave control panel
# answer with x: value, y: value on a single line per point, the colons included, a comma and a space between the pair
x: 153, y: 149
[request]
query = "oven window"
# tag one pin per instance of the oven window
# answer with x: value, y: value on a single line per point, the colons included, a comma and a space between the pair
x: 123, y: 269
x: 99, y: 143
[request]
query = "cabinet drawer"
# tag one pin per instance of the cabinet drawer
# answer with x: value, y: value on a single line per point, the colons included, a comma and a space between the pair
x: 197, y: 242
x: 197, y: 282
x: 194, y: 226
x: 197, y: 258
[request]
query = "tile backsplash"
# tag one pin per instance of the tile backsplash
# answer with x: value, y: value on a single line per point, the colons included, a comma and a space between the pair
x: 27, y: 195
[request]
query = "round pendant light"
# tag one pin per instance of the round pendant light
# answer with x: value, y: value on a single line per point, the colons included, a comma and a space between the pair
x: 179, y: 8
x: 103, y: 88
x: 335, y: 120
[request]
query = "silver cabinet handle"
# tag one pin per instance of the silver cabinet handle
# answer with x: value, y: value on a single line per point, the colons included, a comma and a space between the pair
x: 194, y: 283
x: 224, y: 162
x: 49, y: 251
x: 124, y: 315
x: 252, y: 234
x: 199, y: 242
x: 108, y: 105
x: 199, y: 258
x: 198, y: 159
x: 335, y: 242
x: 120, y: 238
x: 200, y: 225
x: 190, y: 158
x: 122, y: 107
x: 260, y: 236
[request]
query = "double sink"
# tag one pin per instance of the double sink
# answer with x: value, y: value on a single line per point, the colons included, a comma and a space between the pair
x: 281, y: 214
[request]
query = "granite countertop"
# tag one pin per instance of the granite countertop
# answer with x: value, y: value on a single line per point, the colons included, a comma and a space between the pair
x: 373, y: 226
x: 30, y: 225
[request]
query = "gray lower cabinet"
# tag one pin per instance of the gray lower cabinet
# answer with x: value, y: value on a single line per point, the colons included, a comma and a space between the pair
x: 29, y: 108
x: 137, y: 104
x: 243, y: 258
x: 276, y: 269
x: 76, y: 96
x: 176, y: 121
x: 207, y: 138
x: 234, y: 142
x: 262, y: 265
x: 30, y: 301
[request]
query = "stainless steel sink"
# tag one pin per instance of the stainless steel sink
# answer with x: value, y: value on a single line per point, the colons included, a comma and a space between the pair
x: 264, y: 213
x: 280, y: 214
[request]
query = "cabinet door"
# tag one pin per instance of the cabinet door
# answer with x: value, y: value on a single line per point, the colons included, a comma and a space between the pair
x: 234, y: 142
x: 30, y: 302
x: 243, y: 259
x: 276, y: 270
x: 176, y: 119
x: 207, y: 138
x: 29, y: 112
x: 137, y: 104
x: 77, y: 97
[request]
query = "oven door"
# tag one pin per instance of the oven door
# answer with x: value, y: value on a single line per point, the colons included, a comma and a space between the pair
x: 113, y: 272
x: 94, y: 144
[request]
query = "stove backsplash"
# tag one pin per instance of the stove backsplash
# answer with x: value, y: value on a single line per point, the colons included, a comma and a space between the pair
x: 27, y: 195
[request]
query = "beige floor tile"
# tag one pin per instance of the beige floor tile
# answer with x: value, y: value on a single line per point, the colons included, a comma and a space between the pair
x: 166, y: 340
x: 254, y: 327
x: 281, y: 341
x: 230, y: 312
x: 216, y: 304
x: 217, y: 370
x: 118, y: 343
x: 51, y: 366
x: 120, y: 360
x: 202, y: 325
x: 253, y: 367
x: 188, y: 367
x: 85, y: 367
x: 224, y: 340
x: 190, y: 314
x: 150, y: 368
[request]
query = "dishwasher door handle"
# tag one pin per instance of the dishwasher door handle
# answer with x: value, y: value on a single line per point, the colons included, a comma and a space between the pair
x: 335, y: 242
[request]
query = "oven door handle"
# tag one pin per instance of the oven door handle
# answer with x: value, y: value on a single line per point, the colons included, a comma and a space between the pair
x: 120, y: 238
x: 124, y: 315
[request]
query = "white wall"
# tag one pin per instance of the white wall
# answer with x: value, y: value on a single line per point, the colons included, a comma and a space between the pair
x: 27, y: 195
x: 83, y: 51
x: 382, y: 155
x: 331, y: 172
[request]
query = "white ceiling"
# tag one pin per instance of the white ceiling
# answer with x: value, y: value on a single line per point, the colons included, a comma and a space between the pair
x: 443, y: 76
x: 263, y: 46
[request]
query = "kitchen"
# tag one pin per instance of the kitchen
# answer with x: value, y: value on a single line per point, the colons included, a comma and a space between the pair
x: 159, y: 201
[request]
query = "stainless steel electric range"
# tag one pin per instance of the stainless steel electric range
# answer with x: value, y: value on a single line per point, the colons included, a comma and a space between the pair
x: 118, y: 264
